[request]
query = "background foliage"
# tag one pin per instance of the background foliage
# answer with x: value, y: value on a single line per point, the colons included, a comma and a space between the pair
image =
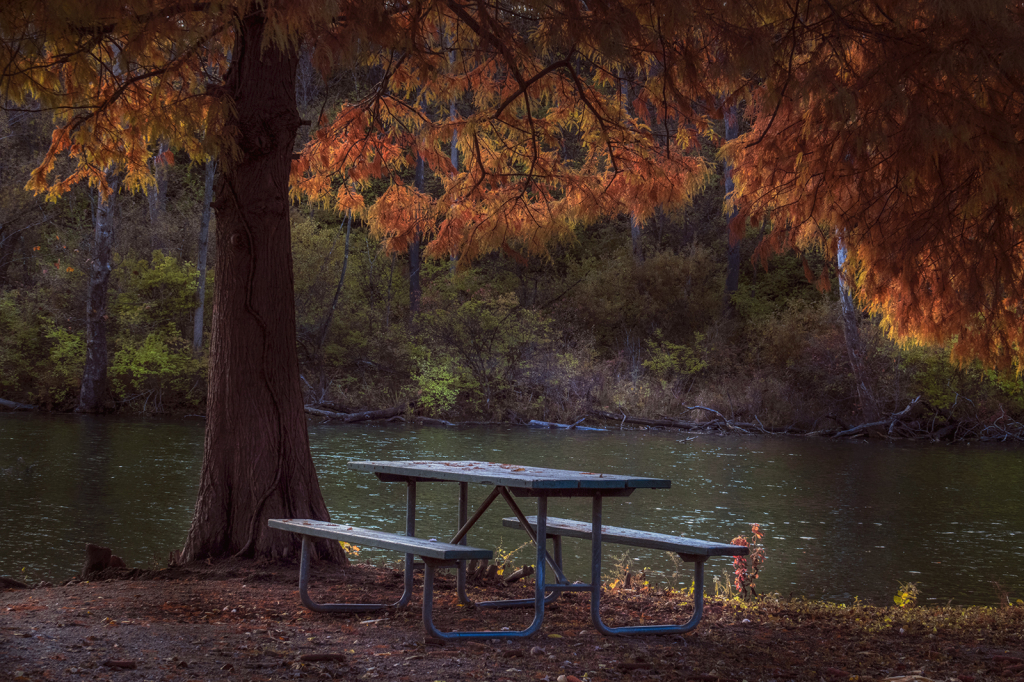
x: 602, y: 319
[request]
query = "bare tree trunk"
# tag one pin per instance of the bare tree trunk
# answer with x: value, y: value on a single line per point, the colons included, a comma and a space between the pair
x: 204, y: 244
x: 732, y: 274
x: 326, y: 325
x: 455, y: 161
x: 94, y: 390
x: 415, y: 256
x: 854, y: 343
x: 635, y: 228
x: 256, y: 463
x: 158, y: 195
x: 635, y: 225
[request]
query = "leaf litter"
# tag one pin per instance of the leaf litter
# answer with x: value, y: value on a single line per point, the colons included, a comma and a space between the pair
x: 242, y: 620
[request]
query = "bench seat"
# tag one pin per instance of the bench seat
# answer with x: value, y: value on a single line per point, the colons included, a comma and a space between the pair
x: 423, y: 547
x: 692, y: 550
x: 435, y: 555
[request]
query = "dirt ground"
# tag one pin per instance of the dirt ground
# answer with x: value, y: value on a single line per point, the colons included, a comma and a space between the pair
x: 243, y: 621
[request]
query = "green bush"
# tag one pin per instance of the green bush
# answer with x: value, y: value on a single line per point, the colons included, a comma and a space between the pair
x: 669, y: 360
x: 153, y: 366
x: 159, y: 365
x: 438, y: 386
x: 67, y: 360
x: 21, y: 345
x: 40, y: 361
x: 494, y: 342
x: 678, y: 293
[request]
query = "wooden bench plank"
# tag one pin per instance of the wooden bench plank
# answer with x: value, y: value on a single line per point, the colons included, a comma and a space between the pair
x: 384, y: 540
x: 634, y: 538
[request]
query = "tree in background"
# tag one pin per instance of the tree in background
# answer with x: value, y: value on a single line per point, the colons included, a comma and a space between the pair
x: 93, y: 396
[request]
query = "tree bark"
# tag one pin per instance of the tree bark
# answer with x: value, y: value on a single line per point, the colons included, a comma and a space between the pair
x: 93, y: 395
x: 257, y: 463
x: 204, y: 243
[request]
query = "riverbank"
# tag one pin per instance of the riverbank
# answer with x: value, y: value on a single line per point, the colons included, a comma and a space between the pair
x: 240, y: 620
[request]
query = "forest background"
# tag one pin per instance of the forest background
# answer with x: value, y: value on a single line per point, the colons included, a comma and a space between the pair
x: 646, y: 322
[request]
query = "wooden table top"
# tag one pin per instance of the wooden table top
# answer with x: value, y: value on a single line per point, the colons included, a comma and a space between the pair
x: 509, y: 475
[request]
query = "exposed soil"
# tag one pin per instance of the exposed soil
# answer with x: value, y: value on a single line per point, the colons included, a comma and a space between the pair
x: 243, y: 621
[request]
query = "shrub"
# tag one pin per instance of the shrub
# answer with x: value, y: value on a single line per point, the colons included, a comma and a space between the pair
x: 152, y: 351
x: 492, y: 340
x: 161, y: 363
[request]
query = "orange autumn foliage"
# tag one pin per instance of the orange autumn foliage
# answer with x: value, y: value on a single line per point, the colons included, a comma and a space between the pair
x: 893, y: 126
x: 523, y: 101
x: 897, y: 130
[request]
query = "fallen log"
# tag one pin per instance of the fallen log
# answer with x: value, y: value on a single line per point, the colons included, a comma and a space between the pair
x: 728, y: 424
x: 433, y: 421
x: 350, y: 417
x: 523, y: 572
x: 555, y: 425
x: 11, y: 405
x: 664, y: 422
x: 886, y: 423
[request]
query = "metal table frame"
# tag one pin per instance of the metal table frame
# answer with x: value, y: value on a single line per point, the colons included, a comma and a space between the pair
x: 509, y: 482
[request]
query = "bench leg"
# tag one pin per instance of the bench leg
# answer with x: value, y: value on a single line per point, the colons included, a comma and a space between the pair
x: 538, y: 596
x: 595, y: 586
x: 343, y: 608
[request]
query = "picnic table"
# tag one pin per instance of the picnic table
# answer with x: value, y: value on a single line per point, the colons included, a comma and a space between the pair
x: 511, y: 483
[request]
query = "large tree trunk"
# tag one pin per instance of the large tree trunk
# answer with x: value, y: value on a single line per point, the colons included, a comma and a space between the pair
x: 257, y: 463
x: 93, y: 395
x: 204, y: 243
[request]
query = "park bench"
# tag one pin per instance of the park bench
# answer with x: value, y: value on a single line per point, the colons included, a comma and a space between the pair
x: 689, y: 550
x: 434, y: 554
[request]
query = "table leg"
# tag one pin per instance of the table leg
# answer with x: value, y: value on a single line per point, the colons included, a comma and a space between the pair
x: 595, y: 589
x: 555, y: 563
x: 460, y: 578
x: 538, y: 595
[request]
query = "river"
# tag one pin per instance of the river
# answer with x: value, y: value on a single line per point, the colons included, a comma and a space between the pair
x: 841, y: 520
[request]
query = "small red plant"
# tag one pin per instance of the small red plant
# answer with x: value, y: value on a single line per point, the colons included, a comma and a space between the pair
x: 747, y: 569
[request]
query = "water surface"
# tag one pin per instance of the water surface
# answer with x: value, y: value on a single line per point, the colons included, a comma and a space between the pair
x: 842, y: 520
